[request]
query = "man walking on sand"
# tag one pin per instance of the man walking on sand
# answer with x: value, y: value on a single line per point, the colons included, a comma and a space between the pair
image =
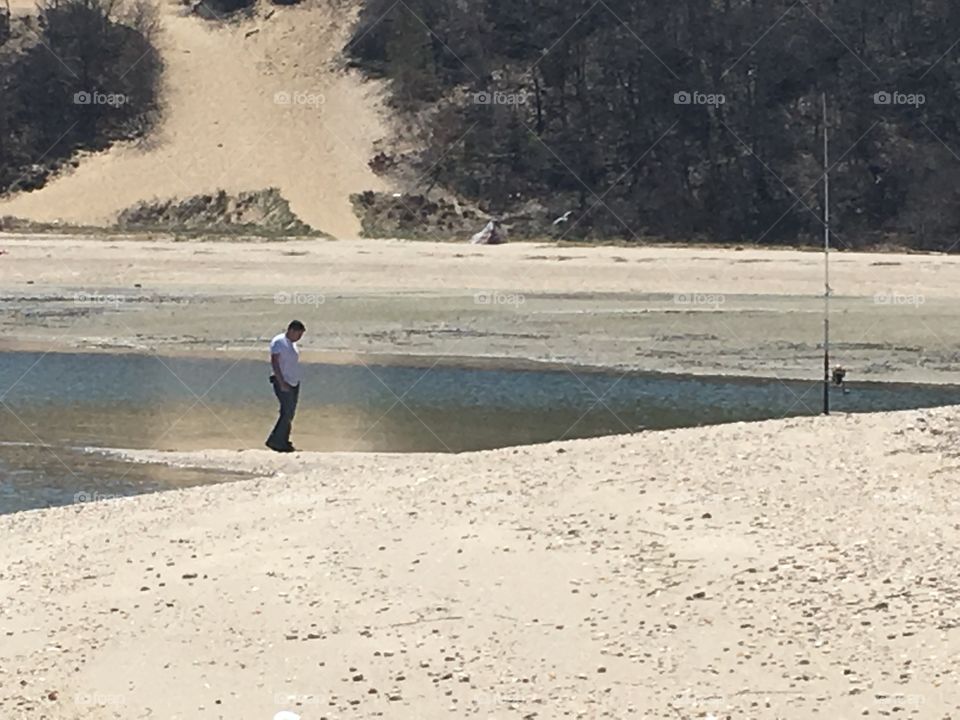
x: 286, y: 378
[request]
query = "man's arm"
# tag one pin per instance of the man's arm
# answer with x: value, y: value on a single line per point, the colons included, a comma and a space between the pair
x: 275, y: 362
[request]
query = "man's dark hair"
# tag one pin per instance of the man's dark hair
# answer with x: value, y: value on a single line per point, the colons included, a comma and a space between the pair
x: 297, y: 325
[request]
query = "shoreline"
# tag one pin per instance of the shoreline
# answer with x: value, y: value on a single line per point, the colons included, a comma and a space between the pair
x: 424, y: 361
x: 702, y: 312
x: 107, y: 233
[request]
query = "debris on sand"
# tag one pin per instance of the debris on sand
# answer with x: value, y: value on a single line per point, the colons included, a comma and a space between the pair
x: 492, y: 234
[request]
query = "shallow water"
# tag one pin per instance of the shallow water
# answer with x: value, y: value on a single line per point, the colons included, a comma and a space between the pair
x: 55, y: 404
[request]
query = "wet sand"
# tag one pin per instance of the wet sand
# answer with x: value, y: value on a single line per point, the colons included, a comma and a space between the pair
x: 790, y: 569
x: 694, y: 310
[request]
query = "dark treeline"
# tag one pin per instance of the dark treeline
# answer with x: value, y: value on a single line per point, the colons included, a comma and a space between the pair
x: 602, y: 126
x: 81, y: 74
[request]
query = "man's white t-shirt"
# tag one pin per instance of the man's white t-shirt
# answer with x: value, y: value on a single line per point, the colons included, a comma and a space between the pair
x: 289, y: 358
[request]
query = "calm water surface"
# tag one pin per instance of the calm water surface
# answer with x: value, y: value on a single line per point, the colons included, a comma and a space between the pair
x: 56, y: 404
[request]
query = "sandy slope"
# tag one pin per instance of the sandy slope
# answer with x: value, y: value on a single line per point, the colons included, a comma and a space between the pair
x: 223, y: 129
x: 22, y: 7
x: 791, y: 569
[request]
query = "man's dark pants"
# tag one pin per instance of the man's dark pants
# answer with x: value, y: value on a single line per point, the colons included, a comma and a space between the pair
x: 280, y: 437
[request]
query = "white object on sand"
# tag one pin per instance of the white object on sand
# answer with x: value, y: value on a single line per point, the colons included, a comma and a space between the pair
x: 286, y: 715
x: 492, y: 234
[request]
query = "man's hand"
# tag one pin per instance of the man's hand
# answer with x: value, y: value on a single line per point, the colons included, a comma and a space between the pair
x: 284, y: 387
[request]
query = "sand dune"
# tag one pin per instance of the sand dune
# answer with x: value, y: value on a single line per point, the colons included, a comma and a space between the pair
x: 226, y: 126
x: 793, y: 569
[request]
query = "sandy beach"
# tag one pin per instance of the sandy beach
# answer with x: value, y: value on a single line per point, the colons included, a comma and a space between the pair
x: 790, y: 569
x: 693, y: 310
x: 802, y: 568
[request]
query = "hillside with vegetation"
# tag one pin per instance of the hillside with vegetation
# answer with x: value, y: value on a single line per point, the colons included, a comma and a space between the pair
x: 77, y: 76
x: 247, y: 102
x: 631, y: 120
x: 690, y: 120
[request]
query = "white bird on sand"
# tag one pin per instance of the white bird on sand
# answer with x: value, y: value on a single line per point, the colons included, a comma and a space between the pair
x: 563, y: 218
